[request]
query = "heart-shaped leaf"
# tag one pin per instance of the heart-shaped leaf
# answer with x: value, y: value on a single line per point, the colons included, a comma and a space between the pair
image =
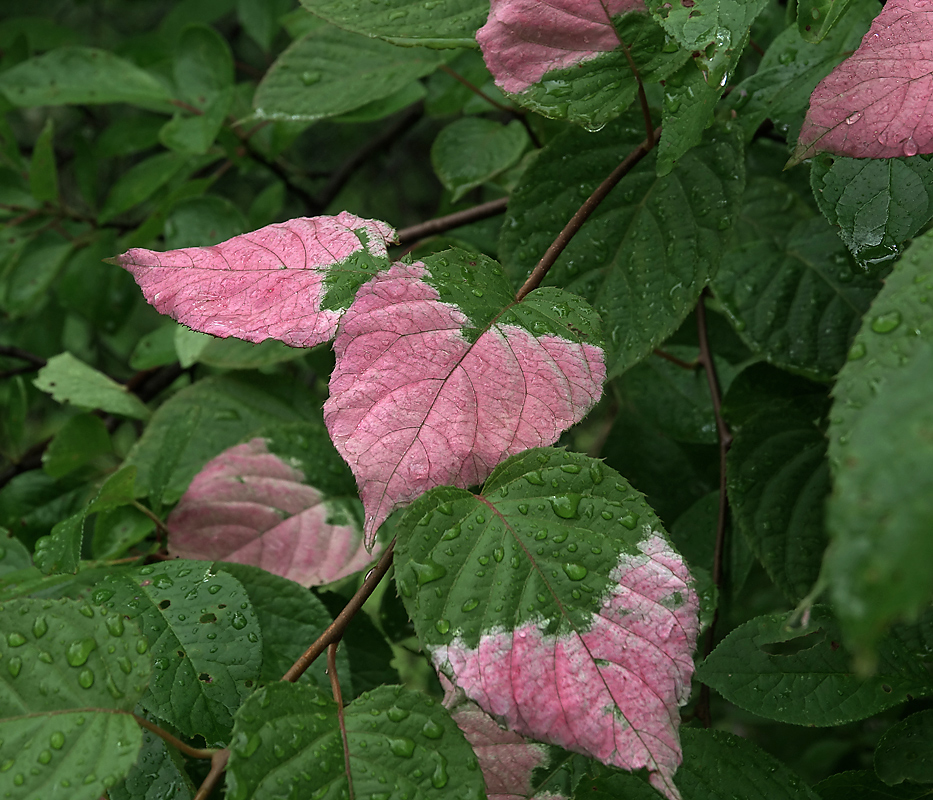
x: 876, y: 103
x: 437, y: 382
x: 289, y: 281
x: 556, y: 602
x: 250, y: 506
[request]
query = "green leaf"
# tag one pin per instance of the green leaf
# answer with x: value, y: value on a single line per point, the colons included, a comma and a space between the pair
x: 78, y: 754
x: 865, y: 785
x: 329, y: 72
x: 686, y: 112
x: 82, y: 76
x: 206, y: 418
x: 803, y: 676
x: 789, y: 285
x: 905, y: 752
x: 26, y: 282
x: 379, y: 109
x: 69, y: 380
x: 471, y: 151
x: 61, y: 550
x: 62, y: 654
x: 202, y: 221
x: 205, y: 641
x: 139, y: 183
x: 878, y: 204
x: 613, y: 786
x: 288, y: 736
x: 291, y: 619
x: 646, y: 253
x: 194, y: 135
x: 816, y: 18
x: 446, y: 23
x: 778, y: 481
x: 117, y: 530
x: 13, y: 554
x: 597, y: 90
x: 203, y: 65
x: 82, y: 439
x: 158, y: 774
x: 43, y: 175
x: 234, y: 353
x: 717, y: 29
x: 720, y: 765
x: 260, y: 19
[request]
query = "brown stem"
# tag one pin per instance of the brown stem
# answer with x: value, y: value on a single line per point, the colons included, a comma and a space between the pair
x: 455, y: 220
x: 336, y: 629
x: 22, y: 355
x: 160, y: 526
x: 583, y: 214
x: 476, y: 90
x: 691, y: 365
x: 218, y: 765
x: 642, y: 98
x: 178, y: 744
x: 725, y: 441
x: 338, y: 699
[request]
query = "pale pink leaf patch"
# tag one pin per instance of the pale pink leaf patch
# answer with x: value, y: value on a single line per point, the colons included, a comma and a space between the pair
x: 524, y: 39
x: 878, y: 103
x: 612, y: 692
x: 290, y: 281
x: 415, y: 404
x: 249, y: 506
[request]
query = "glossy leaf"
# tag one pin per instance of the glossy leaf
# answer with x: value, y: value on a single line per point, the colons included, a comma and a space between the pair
x: 778, y: 481
x: 449, y: 23
x: 81, y: 753
x: 802, y: 675
x: 69, y: 380
x: 879, y: 514
x: 81, y: 439
x: 790, y: 286
x: 82, y: 75
x: 289, y: 281
x: 687, y: 111
x: 197, y: 682
x: 552, y: 595
x: 877, y: 204
x: 56, y: 655
x: 158, y: 774
x: 437, y: 382
x: 645, y: 254
x: 716, y: 29
x: 287, y: 735
x: 329, y: 72
x: 905, y: 752
x: 250, y: 506
x: 567, y: 60
x: 873, y: 104
x: 718, y: 764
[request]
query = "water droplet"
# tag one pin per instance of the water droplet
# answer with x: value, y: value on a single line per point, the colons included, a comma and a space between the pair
x: 101, y: 596
x: 115, y: 625
x: 238, y: 622
x: 396, y: 714
x: 910, y: 148
x: 142, y: 645
x: 523, y: 508
x: 428, y: 571
x: 310, y: 77
x: 858, y: 351
x: 534, y: 478
x: 885, y: 323
x: 565, y: 506
x: 576, y: 572
x: 15, y: 639
x: 14, y: 665
x: 442, y: 625
x: 498, y: 554
x: 57, y: 740
x: 446, y: 508
x: 629, y: 521
x: 214, y: 588
x: 163, y: 581
x: 403, y: 747
x: 853, y: 118
x: 85, y: 678
x: 78, y: 651
x: 451, y: 533
x: 470, y: 604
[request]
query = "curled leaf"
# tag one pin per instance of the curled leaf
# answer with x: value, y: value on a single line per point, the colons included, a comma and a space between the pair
x: 249, y: 506
x: 290, y: 281
x: 876, y: 104
x: 427, y: 393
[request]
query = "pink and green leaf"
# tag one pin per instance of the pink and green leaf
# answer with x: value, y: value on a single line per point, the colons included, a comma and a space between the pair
x: 250, y: 505
x: 437, y: 382
x: 290, y: 281
x: 877, y: 103
x: 556, y: 602
x: 567, y: 59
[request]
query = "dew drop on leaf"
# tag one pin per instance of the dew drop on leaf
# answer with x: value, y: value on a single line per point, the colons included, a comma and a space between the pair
x: 576, y: 572
x: 442, y: 625
x: 238, y: 622
x: 428, y: 571
x: 14, y: 665
x: 85, y: 679
x: 396, y: 714
x: 15, y: 639
x: 885, y: 323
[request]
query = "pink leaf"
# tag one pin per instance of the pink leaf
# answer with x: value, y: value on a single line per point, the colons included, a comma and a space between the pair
x: 249, y: 506
x: 289, y: 281
x: 507, y: 759
x: 879, y: 102
x: 524, y: 39
x: 612, y: 692
x: 414, y: 404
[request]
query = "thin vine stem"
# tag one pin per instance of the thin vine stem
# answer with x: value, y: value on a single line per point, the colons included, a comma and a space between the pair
x: 725, y: 442
x: 218, y: 765
x: 583, y: 214
x: 651, y: 135
x: 338, y: 699
x: 178, y: 744
x: 432, y: 227
x: 336, y: 629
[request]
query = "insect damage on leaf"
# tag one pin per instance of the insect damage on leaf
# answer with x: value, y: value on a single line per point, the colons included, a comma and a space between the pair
x: 524, y: 39
x: 290, y: 281
x: 877, y: 103
x: 414, y: 403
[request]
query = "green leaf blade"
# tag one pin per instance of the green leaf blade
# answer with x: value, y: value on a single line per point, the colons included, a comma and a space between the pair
x: 69, y: 380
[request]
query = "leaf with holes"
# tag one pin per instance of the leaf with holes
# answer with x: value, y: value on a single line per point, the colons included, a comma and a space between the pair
x: 197, y: 682
x: 257, y: 503
x: 556, y: 602
x: 802, y: 675
x: 876, y: 104
x: 289, y: 281
x: 437, y: 382
x: 573, y: 60
x: 289, y: 741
